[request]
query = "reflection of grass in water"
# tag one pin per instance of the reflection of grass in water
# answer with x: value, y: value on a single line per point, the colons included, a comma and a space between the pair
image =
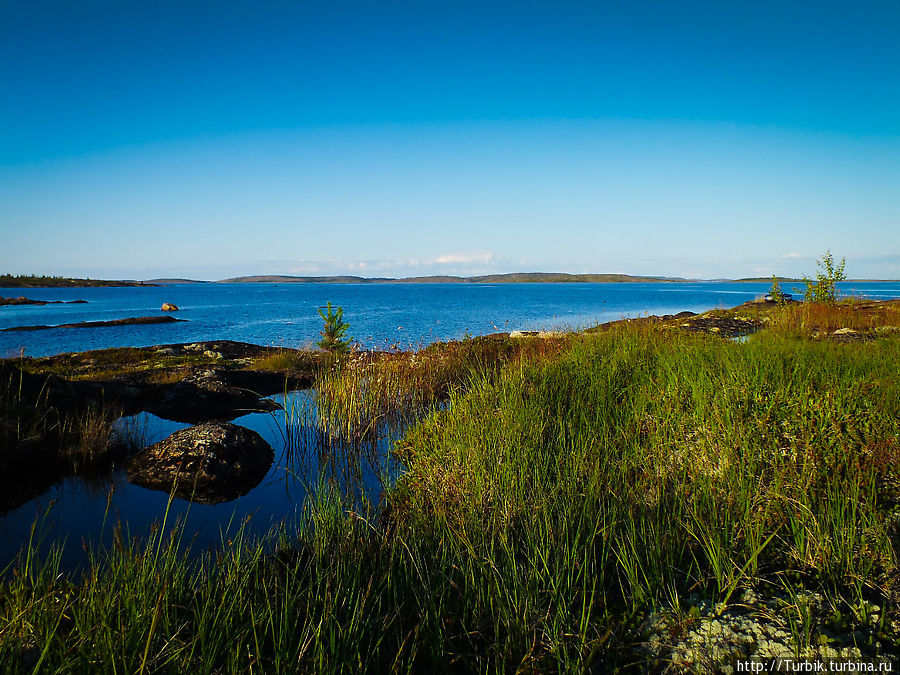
x: 314, y: 451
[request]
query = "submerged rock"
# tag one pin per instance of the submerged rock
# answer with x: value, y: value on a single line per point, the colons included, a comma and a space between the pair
x: 209, y: 463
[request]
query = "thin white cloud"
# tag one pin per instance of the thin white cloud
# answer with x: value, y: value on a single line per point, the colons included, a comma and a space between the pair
x: 791, y: 255
x: 471, y: 258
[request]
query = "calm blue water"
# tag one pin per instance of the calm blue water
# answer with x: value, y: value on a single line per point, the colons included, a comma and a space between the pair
x: 380, y: 315
x: 285, y: 315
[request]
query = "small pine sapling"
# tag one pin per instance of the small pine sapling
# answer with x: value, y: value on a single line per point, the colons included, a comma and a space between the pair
x: 334, y: 331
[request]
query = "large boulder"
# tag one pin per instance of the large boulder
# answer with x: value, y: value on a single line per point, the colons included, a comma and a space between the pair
x: 169, y: 307
x: 209, y: 463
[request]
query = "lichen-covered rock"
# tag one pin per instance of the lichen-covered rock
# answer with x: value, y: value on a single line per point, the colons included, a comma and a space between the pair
x: 706, y: 638
x: 209, y: 463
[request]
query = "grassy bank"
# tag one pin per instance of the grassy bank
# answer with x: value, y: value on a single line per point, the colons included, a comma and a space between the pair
x: 574, y: 505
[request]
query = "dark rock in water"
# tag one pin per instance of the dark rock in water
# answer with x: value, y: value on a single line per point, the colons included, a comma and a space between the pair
x: 206, y: 396
x: 209, y: 464
x: 21, y: 300
x: 100, y: 324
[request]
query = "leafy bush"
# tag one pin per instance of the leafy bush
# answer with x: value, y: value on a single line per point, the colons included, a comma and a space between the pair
x: 776, y: 293
x: 824, y: 288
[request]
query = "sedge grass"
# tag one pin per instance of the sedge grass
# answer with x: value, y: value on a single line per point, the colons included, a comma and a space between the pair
x: 546, y: 510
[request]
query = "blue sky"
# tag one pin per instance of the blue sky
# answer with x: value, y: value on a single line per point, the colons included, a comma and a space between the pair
x: 212, y: 139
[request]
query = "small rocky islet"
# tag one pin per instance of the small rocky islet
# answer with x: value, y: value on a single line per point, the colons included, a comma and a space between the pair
x: 22, y: 300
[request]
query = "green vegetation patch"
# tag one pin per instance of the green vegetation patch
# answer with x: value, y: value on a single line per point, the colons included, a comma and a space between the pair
x: 565, y: 496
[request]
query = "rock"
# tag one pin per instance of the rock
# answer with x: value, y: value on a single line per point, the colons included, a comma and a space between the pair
x: 139, y: 320
x: 211, y: 354
x: 166, y: 351
x: 169, y: 307
x: 535, y: 333
x: 204, y: 396
x: 209, y: 463
x: 848, y: 335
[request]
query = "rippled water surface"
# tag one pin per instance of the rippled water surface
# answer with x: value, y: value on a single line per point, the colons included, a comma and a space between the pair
x: 380, y: 315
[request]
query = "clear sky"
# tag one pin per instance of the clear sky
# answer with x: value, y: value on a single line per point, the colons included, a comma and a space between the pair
x: 214, y: 139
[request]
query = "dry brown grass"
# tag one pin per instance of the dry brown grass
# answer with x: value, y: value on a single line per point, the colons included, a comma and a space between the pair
x: 287, y: 360
x: 809, y: 319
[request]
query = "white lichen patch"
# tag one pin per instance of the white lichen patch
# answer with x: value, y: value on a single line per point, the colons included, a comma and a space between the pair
x: 710, y: 639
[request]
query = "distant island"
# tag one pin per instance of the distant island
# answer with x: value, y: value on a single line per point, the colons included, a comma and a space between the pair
x: 35, y: 281
x: 511, y: 278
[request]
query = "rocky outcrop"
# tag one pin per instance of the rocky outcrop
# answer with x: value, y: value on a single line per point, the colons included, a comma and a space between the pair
x: 209, y: 464
x: 168, y: 307
x: 138, y: 320
x: 535, y: 333
x: 725, y: 326
x: 206, y: 395
x: 21, y: 300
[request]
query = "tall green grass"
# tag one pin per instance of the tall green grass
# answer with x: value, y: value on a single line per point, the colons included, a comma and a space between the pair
x: 546, y: 510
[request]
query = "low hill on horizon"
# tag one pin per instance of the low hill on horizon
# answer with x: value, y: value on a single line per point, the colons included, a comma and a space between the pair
x: 41, y: 281
x: 36, y: 281
x: 512, y: 277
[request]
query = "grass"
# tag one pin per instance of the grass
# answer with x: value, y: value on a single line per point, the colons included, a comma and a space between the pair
x: 288, y: 360
x: 358, y: 393
x: 811, y: 319
x: 556, y: 495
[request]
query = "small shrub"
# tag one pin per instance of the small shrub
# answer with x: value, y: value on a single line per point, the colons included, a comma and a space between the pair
x: 824, y: 288
x: 775, y: 292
